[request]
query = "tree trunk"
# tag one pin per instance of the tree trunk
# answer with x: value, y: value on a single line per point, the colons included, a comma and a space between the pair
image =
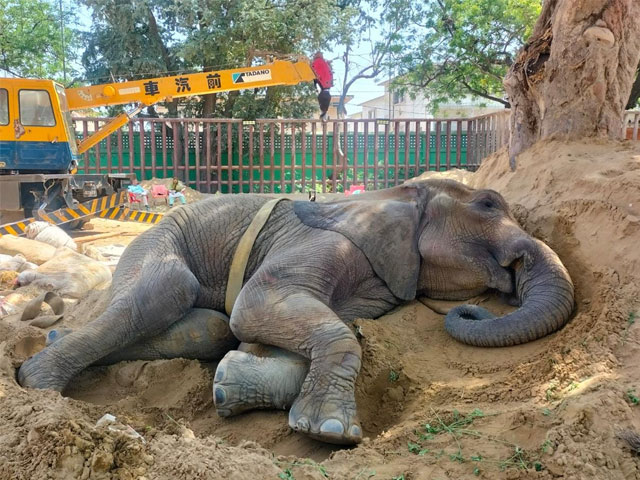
x: 574, y: 75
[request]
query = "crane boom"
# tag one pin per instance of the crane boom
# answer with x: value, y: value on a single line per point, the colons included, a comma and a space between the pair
x: 153, y: 90
x: 147, y: 92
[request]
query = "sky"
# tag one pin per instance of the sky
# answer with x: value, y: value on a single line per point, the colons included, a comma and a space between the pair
x: 362, y: 90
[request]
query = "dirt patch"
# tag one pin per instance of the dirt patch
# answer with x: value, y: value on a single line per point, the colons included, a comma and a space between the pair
x: 430, y: 407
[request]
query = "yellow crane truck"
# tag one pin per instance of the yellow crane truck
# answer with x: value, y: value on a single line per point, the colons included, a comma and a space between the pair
x: 39, y: 152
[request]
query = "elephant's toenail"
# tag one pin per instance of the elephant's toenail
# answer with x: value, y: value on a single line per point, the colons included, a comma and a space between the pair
x: 332, y: 426
x: 51, y: 337
x: 302, y: 425
x: 219, y: 375
x: 223, y: 412
x: 355, y: 431
x: 219, y: 396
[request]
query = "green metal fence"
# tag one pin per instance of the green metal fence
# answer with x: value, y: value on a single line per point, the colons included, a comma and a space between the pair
x: 286, y: 156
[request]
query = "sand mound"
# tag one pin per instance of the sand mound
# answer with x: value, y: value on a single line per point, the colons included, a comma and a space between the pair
x: 431, y: 407
x: 462, y: 176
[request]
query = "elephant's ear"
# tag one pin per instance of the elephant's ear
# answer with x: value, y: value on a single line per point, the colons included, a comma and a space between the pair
x: 385, y: 231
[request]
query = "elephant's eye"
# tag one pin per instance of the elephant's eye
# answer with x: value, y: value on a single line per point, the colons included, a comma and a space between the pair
x: 488, y: 203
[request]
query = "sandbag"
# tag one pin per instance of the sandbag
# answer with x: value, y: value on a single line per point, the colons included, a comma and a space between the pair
x: 16, y: 263
x: 68, y: 274
x: 31, y: 250
x: 51, y: 234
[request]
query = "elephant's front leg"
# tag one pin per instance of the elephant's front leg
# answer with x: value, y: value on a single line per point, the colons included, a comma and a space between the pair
x: 325, y: 408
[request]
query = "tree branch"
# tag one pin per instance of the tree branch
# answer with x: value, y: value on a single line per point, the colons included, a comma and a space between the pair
x: 484, y: 94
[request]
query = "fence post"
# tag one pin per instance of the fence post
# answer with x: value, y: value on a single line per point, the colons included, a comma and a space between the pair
x: 261, y: 156
x: 416, y: 160
x: 219, y: 156
x: 120, y: 150
x: 376, y: 148
x: 196, y: 134
x: 303, y: 150
x: 314, y: 148
x: 386, y: 154
x: 407, y: 144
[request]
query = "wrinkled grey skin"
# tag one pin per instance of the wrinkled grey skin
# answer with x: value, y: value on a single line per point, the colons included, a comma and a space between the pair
x: 314, y: 268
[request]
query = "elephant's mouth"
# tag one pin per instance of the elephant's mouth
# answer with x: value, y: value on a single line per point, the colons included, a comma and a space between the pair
x: 502, y: 275
x: 545, y: 295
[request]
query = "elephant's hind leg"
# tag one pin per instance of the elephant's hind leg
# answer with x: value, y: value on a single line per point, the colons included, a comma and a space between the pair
x: 257, y: 376
x: 201, y: 334
x: 135, y: 313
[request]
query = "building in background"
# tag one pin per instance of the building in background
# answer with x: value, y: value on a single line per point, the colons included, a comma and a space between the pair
x: 396, y: 105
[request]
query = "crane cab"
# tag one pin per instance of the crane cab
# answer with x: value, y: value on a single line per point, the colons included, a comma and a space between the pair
x: 36, y: 129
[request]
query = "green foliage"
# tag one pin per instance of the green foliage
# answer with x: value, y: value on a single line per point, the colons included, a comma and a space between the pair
x: 365, y: 474
x: 141, y: 39
x: 393, y: 376
x: 464, y: 47
x: 129, y: 40
x: 413, y: 447
x: 631, y: 320
x: 457, y: 426
x: 286, y: 475
x: 632, y: 397
x: 31, y: 39
x: 457, y: 456
x: 550, y: 393
x: 459, y: 421
x: 518, y: 460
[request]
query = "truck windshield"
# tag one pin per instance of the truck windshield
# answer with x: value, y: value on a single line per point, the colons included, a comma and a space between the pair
x: 67, y: 119
x: 36, y: 109
x: 4, y: 107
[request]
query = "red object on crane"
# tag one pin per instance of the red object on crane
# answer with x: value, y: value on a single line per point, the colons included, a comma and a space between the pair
x: 322, y: 69
x: 324, y: 79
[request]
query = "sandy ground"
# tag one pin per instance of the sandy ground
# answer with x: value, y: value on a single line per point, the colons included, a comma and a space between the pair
x: 431, y: 407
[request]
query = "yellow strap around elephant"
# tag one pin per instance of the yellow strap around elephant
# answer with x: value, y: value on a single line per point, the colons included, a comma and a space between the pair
x: 243, y: 250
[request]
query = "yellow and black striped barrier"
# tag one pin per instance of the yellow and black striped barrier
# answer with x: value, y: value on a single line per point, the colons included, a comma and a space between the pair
x: 110, y: 207
x: 123, y: 213
x: 15, y: 228
x: 83, y: 210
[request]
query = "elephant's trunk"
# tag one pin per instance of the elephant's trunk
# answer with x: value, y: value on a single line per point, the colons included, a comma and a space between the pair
x: 545, y: 291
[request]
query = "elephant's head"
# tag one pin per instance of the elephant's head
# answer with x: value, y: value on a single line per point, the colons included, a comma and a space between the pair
x: 444, y: 240
x: 468, y: 242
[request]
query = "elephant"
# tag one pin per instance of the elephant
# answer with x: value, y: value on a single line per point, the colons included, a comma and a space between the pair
x: 312, y: 269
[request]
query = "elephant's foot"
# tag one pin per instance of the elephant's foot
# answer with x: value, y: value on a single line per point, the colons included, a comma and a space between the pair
x: 327, y: 411
x: 244, y: 381
x: 40, y: 371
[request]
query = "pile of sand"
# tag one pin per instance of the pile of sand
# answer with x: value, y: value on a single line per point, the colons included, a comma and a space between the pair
x: 431, y: 407
x: 462, y: 176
